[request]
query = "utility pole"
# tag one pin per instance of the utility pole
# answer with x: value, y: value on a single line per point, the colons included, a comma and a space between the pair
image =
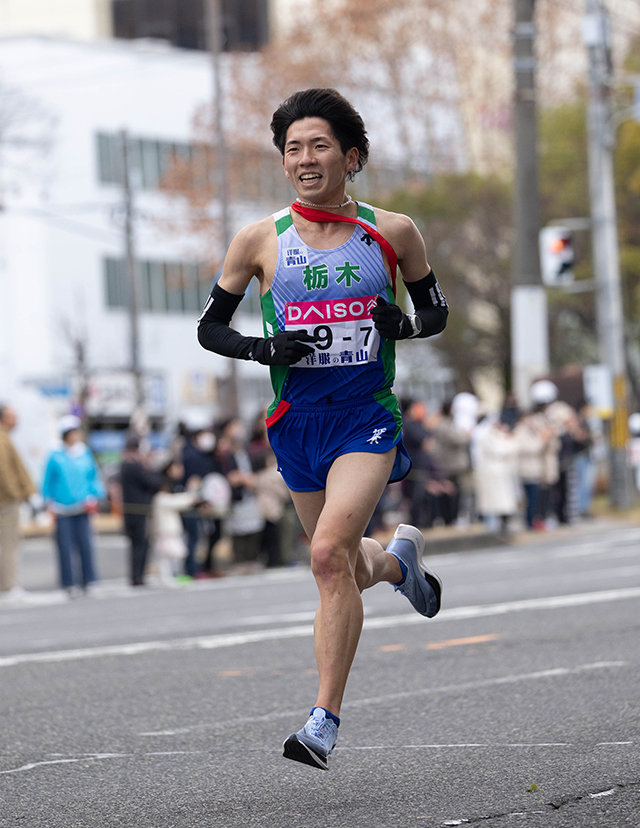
x: 529, y: 334
x: 609, y: 315
x: 214, y: 37
x: 132, y: 281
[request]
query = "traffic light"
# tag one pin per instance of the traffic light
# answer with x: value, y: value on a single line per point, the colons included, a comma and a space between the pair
x: 556, y: 255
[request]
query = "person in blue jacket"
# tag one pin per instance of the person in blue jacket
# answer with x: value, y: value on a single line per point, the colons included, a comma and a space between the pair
x: 71, y: 490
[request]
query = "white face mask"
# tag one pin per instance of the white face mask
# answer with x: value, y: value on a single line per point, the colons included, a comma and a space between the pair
x: 206, y: 441
x: 76, y: 449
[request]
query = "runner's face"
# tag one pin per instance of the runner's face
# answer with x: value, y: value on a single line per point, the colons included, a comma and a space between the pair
x: 314, y: 162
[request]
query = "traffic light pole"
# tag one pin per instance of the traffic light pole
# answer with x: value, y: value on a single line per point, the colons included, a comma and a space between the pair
x: 609, y: 314
x: 529, y: 334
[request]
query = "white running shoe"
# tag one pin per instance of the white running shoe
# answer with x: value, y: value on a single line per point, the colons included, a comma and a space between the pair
x: 422, y: 587
x: 313, y: 744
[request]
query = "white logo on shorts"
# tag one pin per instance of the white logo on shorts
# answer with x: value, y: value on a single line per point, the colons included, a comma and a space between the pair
x: 377, y: 434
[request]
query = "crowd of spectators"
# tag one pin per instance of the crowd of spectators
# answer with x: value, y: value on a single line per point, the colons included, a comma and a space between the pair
x: 533, y: 468
x: 214, y: 503
x: 218, y: 504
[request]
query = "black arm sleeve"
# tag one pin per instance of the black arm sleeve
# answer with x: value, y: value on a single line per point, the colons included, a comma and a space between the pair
x: 214, y: 332
x: 429, y: 303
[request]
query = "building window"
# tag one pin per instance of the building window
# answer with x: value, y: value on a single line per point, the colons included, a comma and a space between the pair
x: 149, y: 159
x: 162, y: 287
x: 115, y: 283
x: 253, y: 176
x: 183, y: 22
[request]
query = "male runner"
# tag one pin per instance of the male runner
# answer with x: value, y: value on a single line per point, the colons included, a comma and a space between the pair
x: 330, y: 320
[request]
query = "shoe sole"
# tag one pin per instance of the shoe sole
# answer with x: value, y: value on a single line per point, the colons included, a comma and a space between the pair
x: 294, y: 749
x: 418, y: 567
x: 436, y: 585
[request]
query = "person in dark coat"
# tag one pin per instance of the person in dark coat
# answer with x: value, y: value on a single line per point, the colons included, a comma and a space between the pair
x: 198, y: 460
x: 139, y: 484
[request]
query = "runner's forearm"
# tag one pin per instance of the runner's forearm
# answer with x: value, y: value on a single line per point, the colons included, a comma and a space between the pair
x: 214, y: 332
x: 429, y: 304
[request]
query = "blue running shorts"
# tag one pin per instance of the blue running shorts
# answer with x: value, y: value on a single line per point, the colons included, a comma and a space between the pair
x: 307, y: 439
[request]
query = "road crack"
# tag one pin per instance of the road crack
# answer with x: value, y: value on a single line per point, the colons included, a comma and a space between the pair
x: 556, y: 805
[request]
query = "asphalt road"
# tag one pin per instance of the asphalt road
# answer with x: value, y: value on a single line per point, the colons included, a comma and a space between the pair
x: 517, y: 705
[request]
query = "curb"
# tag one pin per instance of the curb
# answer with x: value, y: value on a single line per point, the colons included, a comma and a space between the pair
x: 102, y: 525
x: 439, y: 540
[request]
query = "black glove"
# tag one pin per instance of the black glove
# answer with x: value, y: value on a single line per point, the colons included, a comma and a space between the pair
x: 285, y: 348
x: 392, y: 323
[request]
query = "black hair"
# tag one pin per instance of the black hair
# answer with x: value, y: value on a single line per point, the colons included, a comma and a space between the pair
x: 132, y: 443
x: 347, y: 125
x: 446, y: 408
x: 167, y: 482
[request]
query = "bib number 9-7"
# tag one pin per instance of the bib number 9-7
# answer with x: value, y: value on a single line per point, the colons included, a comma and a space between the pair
x: 346, y: 335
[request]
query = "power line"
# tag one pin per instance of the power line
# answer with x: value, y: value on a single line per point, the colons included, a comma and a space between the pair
x: 71, y: 225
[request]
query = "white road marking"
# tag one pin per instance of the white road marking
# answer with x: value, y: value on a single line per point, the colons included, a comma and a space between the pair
x: 554, y: 672
x: 31, y: 765
x: 615, y: 744
x: 279, y: 618
x: 212, y: 642
x: 283, y: 713
x: 498, y: 745
x: 92, y: 757
x: 523, y: 556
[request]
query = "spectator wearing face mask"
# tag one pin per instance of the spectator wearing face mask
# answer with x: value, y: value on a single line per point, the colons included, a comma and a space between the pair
x: 167, y: 533
x: 198, y: 461
x: 71, y: 490
x: 452, y: 456
x: 496, y: 474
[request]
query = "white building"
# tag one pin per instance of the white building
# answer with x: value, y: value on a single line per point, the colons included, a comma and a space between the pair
x: 82, y: 19
x: 62, y: 241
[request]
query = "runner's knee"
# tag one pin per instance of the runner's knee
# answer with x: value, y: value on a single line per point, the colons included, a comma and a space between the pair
x: 329, y: 559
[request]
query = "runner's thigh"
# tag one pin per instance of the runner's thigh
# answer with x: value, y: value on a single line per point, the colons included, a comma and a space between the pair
x: 354, y: 486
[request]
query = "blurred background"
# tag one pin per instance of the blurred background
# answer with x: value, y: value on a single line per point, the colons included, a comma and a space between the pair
x: 135, y: 141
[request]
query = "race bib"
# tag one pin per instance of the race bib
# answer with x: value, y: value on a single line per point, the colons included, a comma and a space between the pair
x: 343, y: 330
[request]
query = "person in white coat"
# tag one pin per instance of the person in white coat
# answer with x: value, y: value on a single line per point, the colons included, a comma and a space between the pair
x: 537, y: 464
x: 496, y: 475
x: 167, y: 530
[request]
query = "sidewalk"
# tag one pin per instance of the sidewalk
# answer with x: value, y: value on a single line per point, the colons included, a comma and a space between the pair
x: 102, y: 524
x: 439, y: 539
x: 39, y: 575
x: 444, y: 539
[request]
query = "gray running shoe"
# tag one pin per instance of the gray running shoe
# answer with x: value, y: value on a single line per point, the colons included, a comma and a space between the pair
x: 313, y: 744
x: 422, y: 587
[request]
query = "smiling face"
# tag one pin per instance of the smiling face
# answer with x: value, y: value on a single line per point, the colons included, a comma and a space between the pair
x: 314, y: 162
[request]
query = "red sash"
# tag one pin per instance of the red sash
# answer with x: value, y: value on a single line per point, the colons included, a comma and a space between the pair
x: 311, y: 214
